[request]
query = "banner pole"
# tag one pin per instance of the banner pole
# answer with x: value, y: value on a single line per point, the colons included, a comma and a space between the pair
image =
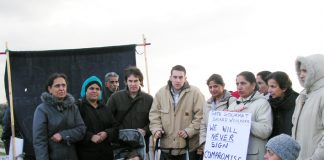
x: 12, y: 118
x: 146, y: 68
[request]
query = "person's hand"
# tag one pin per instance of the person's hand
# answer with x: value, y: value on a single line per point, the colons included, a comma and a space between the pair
x: 182, y: 133
x: 103, y: 135
x: 200, y: 150
x: 158, y: 134
x: 142, y: 131
x: 96, y: 138
x: 56, y: 137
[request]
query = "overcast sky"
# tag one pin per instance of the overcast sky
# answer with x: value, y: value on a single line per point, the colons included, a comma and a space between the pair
x: 210, y: 36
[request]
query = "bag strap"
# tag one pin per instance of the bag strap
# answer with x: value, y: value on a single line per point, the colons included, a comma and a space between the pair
x: 128, y: 109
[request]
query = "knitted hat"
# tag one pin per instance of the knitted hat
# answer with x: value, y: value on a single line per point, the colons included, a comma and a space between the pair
x: 88, y: 82
x: 284, y: 146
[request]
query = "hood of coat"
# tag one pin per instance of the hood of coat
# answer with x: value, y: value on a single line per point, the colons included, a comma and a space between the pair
x: 53, y: 101
x: 315, y: 71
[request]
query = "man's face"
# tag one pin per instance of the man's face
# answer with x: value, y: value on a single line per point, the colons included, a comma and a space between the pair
x: 133, y: 84
x: 58, y: 88
x: 302, y: 73
x: 178, y: 78
x: 112, y: 84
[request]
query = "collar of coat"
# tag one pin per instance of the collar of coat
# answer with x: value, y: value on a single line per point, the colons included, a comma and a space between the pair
x: 50, y: 100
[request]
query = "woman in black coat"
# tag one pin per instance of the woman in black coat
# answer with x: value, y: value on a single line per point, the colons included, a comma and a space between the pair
x: 282, y: 100
x: 100, y: 124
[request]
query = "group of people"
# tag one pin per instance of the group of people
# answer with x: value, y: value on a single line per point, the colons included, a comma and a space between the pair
x: 284, y: 124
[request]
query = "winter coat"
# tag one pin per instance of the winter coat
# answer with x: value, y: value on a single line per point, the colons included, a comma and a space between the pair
x: 282, y: 110
x: 53, y: 116
x: 186, y: 116
x: 308, y: 117
x: 261, y: 124
x: 222, y: 105
x: 96, y: 120
x: 138, y: 115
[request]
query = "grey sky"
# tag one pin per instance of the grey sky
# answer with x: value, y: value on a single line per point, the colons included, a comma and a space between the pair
x: 212, y: 36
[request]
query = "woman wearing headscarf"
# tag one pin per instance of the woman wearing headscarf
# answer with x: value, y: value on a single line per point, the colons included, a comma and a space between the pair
x: 282, y: 100
x: 57, y: 123
x: 100, y: 124
x: 251, y: 101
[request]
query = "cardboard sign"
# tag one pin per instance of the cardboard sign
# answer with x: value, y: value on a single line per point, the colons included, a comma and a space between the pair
x: 227, y: 135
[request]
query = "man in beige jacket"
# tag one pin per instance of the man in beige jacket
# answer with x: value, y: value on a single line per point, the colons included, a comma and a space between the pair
x: 175, y: 115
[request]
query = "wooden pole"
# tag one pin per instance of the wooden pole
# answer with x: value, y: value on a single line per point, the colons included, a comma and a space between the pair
x: 12, y: 118
x: 146, y: 68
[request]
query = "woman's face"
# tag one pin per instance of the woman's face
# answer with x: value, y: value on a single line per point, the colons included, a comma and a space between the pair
x: 93, y: 92
x: 58, y: 88
x: 274, y: 89
x: 263, y: 87
x: 244, y: 87
x: 216, y: 90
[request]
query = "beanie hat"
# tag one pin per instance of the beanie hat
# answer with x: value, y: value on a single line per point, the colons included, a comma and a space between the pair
x: 88, y: 82
x: 284, y: 146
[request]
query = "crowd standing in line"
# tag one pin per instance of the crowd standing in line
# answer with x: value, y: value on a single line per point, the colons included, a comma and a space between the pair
x: 176, y: 114
x: 308, y: 117
x: 179, y: 111
x: 57, y: 124
x: 101, y: 126
x: 253, y: 102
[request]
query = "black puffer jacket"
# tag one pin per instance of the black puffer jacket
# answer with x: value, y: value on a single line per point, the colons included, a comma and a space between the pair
x: 54, y: 116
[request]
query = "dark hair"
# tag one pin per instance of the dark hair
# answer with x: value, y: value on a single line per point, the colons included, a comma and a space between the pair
x: 264, y: 75
x: 51, y: 79
x: 216, y: 78
x: 281, y: 78
x: 178, y: 68
x: 249, y: 76
x: 132, y: 70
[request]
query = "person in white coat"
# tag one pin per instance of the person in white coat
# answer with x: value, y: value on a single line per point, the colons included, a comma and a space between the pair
x: 251, y: 101
x: 308, y: 117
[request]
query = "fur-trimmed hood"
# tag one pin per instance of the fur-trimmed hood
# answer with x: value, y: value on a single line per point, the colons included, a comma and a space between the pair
x: 53, y: 101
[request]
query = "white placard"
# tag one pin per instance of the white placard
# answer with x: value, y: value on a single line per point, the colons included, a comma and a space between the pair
x: 19, y: 148
x: 227, y: 135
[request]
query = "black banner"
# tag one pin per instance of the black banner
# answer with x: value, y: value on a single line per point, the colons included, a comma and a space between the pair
x: 30, y: 70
